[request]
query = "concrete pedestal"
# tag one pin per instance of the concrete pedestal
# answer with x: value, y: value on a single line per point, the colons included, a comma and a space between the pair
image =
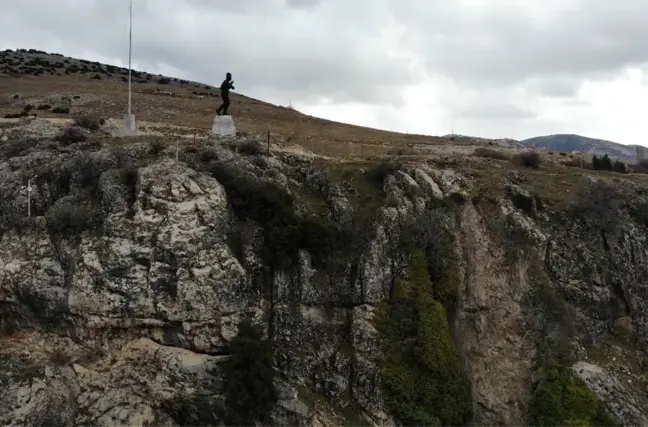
x: 223, y: 126
x: 129, y: 128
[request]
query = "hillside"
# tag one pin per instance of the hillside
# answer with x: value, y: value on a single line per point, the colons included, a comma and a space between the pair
x: 569, y: 143
x: 177, y: 278
x: 95, y: 89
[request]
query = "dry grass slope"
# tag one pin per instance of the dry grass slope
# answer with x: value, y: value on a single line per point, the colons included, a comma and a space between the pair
x: 90, y: 88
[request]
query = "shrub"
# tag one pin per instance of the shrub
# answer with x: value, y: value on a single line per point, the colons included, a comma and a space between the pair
x: 490, y: 153
x: 156, y: 147
x: 28, y: 107
x: 59, y: 357
x: 274, y: 209
x: 44, y: 107
x: 577, y: 163
x: 206, y: 155
x: 61, y: 110
x: 164, y: 81
x: 382, y: 170
x: 16, y: 115
x: 96, y: 77
x: 249, y: 391
x: 72, y: 217
x: 641, y: 167
x: 71, y: 135
x: 90, y: 123
x: 562, y: 399
x: 620, y: 167
x: 602, y: 163
x: 421, y: 370
x: 15, y: 148
x: 251, y: 147
x: 559, y: 397
x: 528, y: 159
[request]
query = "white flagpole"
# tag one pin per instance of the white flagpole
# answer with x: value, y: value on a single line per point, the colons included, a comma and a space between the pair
x: 130, y: 44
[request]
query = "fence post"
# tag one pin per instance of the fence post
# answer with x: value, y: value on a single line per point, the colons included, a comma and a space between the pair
x: 29, y: 190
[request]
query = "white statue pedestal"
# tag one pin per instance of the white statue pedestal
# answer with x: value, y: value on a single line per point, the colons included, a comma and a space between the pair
x: 223, y: 126
x: 129, y: 128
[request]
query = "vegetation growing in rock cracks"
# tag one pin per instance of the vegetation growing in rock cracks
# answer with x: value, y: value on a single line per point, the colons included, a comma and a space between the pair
x: 559, y: 398
x: 285, y: 231
x: 421, y: 372
x: 249, y: 391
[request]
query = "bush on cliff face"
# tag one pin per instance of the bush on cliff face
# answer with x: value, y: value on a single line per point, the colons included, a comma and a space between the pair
x: 274, y: 209
x: 249, y: 391
x: 71, y: 217
x: 421, y: 372
x: 559, y: 398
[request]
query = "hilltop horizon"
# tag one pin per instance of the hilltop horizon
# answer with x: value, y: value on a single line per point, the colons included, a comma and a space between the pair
x: 548, y: 141
x: 362, y: 120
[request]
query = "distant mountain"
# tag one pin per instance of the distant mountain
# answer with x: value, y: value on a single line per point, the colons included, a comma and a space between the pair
x: 569, y: 142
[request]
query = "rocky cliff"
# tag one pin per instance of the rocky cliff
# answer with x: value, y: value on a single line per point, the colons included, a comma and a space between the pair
x: 236, y: 287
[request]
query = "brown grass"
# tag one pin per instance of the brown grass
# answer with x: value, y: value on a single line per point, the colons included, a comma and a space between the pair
x: 491, y: 153
x: 186, y: 109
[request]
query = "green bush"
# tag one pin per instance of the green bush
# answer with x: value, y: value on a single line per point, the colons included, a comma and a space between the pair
x: 421, y: 372
x: 491, y: 153
x: 528, y: 159
x: 90, y: 123
x: 249, y: 389
x: 156, y: 147
x: 559, y: 397
x: 72, y: 218
x: 251, y: 147
x: 16, y: 115
x: 377, y: 174
x: 15, y: 148
x: 274, y: 209
x: 562, y: 399
x: 61, y: 110
x: 71, y: 135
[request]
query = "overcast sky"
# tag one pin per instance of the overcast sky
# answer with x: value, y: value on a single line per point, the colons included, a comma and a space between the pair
x: 491, y: 68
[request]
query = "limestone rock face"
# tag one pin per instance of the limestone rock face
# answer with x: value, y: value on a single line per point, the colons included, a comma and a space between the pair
x: 119, y: 296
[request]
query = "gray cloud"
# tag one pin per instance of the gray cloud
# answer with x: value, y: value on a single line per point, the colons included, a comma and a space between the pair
x: 508, y: 44
x: 493, y: 111
x: 278, y: 50
x: 555, y: 87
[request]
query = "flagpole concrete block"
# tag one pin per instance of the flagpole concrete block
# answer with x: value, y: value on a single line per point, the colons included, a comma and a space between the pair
x: 129, y: 128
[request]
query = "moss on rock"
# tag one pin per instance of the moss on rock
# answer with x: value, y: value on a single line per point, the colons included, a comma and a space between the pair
x: 421, y: 372
x: 562, y: 399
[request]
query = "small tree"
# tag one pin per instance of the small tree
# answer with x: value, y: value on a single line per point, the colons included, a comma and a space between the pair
x: 249, y: 389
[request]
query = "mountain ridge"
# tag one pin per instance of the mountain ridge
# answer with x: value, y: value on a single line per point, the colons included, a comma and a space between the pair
x: 572, y: 142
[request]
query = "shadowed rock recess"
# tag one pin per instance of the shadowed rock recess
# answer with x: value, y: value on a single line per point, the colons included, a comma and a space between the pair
x: 241, y: 288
